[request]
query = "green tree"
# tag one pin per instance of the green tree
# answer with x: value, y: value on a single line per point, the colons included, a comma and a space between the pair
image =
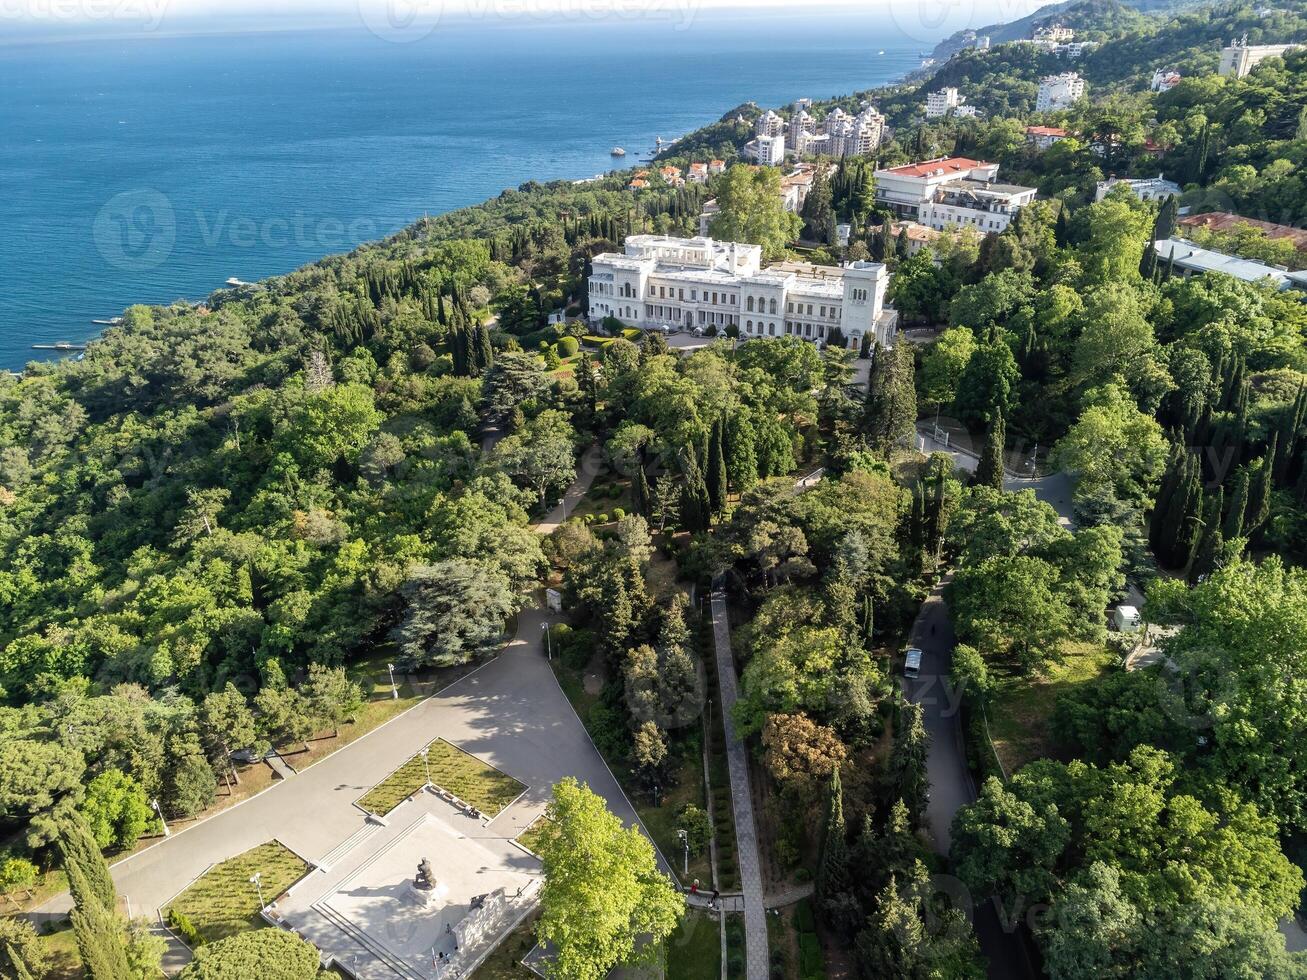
x: 1113, y: 447
x: 228, y: 725
x: 604, y: 901
x: 716, y: 478
x: 751, y: 209
x: 907, y: 762
x: 455, y: 612
x: 943, y: 363
x: 891, y: 409
x: 115, y: 810
x: 269, y: 954
x: 331, y: 696
x: 989, y: 470
x: 22, y: 954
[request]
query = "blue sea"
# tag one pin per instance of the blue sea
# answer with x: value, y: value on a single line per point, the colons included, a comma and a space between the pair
x: 151, y: 167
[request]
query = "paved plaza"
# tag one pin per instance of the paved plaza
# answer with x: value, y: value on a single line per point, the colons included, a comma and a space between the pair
x: 361, y: 909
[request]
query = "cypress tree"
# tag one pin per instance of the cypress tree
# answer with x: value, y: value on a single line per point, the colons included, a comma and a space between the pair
x: 1259, y: 503
x: 1166, y: 494
x: 696, y: 509
x: 1210, y: 542
x: 1179, y: 521
x: 1062, y: 229
x: 101, y: 938
x: 833, y: 869
x: 485, y: 352
x: 716, y: 476
x: 1234, y: 516
x: 1148, y: 264
x: 78, y: 849
x: 989, y: 471
x: 907, y: 762
x: 1164, y: 226
x: 640, y: 489
x: 868, y: 621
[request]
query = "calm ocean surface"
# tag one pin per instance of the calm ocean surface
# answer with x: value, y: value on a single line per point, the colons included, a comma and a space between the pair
x: 148, y: 169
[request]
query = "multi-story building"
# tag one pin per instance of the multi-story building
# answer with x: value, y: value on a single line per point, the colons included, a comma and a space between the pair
x: 768, y: 124
x: 967, y: 112
x: 698, y: 283
x: 770, y: 150
x: 1241, y: 57
x: 940, y: 103
x: 951, y: 192
x: 698, y: 173
x: 1042, y: 137
x: 1059, y: 91
x: 1055, y: 33
x: 794, y: 191
x: 1145, y: 188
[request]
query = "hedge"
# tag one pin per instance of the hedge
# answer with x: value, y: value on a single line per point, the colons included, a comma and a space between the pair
x: 568, y: 346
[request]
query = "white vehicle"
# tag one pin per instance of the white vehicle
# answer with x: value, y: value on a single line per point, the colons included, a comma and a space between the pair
x: 912, y: 663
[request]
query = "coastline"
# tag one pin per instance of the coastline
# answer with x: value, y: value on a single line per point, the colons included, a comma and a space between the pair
x: 394, y: 207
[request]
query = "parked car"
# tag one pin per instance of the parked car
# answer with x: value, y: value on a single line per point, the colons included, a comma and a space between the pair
x: 912, y: 663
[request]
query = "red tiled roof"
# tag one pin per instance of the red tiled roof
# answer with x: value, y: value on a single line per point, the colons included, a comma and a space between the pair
x: 947, y: 164
x: 1046, y: 131
x: 1225, y: 221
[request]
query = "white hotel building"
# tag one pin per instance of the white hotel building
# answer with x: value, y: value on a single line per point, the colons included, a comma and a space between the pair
x: 952, y: 192
x: 697, y: 283
x: 1059, y: 91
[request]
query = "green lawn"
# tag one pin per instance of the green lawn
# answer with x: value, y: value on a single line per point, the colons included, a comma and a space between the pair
x: 505, y: 961
x: 1022, y: 707
x: 529, y: 837
x: 686, y: 786
x: 453, y: 770
x: 694, y: 950
x: 223, y: 901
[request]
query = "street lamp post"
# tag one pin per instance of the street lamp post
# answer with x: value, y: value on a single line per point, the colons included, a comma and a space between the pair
x: 563, y: 504
x: 162, y: 822
x: 549, y: 643
x: 427, y: 764
x: 684, y: 835
x: 256, y: 880
x: 394, y: 691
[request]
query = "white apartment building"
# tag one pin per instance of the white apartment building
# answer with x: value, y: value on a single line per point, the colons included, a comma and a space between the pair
x: 951, y: 192
x: 838, y: 135
x: 696, y: 283
x: 1043, y: 137
x: 770, y: 150
x: 1059, y: 91
x: 1145, y: 188
x: 1241, y: 57
x: 768, y: 124
x: 940, y: 103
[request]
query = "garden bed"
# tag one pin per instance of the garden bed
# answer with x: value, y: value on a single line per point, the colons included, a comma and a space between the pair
x: 454, y: 771
x: 223, y: 901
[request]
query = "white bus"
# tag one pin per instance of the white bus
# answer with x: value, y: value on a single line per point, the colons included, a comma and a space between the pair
x: 912, y: 663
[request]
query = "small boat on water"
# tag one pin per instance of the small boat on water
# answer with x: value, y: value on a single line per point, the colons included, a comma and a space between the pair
x: 617, y: 151
x: 880, y: 52
x: 233, y: 282
x: 59, y: 345
x: 112, y: 321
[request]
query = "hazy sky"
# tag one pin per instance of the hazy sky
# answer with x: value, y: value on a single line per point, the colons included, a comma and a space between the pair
x: 163, y: 13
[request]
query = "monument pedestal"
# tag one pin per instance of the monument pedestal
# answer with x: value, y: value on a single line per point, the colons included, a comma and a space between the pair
x: 428, y: 897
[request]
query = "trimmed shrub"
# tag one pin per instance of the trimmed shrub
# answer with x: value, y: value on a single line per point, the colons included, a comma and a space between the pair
x: 618, y: 513
x: 182, y: 925
x: 567, y: 347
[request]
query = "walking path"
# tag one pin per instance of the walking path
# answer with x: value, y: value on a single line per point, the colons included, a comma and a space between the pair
x: 746, y: 828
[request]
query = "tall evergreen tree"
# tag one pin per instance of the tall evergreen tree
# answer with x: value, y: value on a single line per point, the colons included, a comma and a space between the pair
x: 907, y: 762
x: 833, y: 865
x: 989, y: 471
x: 890, y: 415
x: 716, y: 475
x: 1062, y: 228
x: 1210, y: 541
x: 78, y: 849
x: 1167, y: 215
x: 640, y: 490
x: 1238, y: 509
x: 1259, y: 503
x: 485, y: 351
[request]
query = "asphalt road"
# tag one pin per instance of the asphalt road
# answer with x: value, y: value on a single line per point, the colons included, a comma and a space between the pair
x: 951, y: 785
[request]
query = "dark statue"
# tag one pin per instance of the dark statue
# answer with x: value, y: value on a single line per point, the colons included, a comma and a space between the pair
x: 426, y: 878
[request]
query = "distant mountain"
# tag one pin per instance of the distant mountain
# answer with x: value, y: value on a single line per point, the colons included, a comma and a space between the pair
x: 1087, y: 17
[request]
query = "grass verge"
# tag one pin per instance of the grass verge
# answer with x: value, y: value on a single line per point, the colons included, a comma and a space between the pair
x: 1021, y: 708
x: 694, y: 950
x: 223, y: 901
x: 505, y: 961
x: 453, y: 770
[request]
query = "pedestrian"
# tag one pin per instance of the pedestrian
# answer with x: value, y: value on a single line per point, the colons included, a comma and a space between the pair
x: 712, y: 902
x: 694, y: 888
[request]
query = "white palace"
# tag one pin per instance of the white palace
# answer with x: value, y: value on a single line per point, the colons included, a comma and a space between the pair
x: 697, y: 283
